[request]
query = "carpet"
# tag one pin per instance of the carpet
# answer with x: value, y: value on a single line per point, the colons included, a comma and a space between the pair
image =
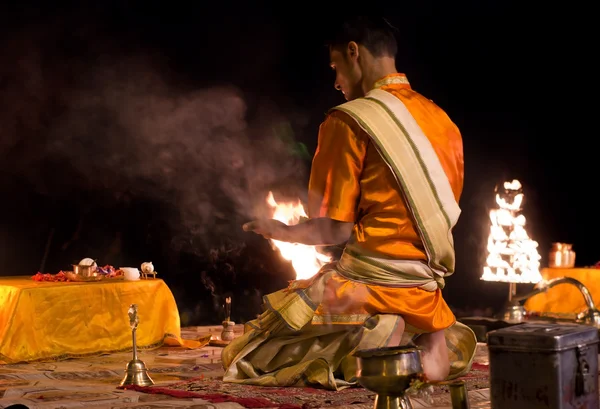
x: 477, y: 378
x: 90, y: 382
x: 255, y: 397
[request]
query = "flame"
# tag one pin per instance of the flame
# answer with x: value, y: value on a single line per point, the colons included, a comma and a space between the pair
x: 513, y: 256
x: 306, y: 260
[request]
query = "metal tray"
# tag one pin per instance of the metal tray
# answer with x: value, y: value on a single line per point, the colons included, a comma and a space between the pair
x: 78, y: 278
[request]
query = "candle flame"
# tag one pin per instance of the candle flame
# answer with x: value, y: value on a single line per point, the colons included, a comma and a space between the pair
x: 228, y: 309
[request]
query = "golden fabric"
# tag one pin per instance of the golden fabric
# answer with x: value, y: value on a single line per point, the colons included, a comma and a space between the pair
x: 350, y: 181
x: 283, y: 347
x: 425, y: 187
x: 48, y: 320
x: 565, y: 298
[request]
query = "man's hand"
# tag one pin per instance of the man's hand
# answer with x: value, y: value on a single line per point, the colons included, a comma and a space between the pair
x: 313, y: 232
x: 268, y: 228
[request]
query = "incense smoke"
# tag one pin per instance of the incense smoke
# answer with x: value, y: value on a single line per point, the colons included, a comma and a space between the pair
x: 118, y: 126
x: 115, y: 126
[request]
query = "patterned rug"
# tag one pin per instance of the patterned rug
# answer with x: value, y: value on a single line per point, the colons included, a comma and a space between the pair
x: 91, y: 382
x: 216, y: 391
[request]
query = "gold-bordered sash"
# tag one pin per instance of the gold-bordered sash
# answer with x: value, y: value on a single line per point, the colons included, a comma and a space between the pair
x: 417, y: 169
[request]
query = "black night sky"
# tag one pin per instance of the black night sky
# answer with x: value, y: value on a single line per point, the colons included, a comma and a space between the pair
x: 134, y: 133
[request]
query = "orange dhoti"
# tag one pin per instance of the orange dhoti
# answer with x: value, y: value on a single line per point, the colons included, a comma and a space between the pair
x: 350, y: 302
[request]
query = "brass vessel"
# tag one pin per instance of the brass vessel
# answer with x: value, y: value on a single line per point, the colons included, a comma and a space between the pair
x: 561, y: 255
x: 389, y: 372
x: 136, y: 372
x: 85, y: 270
x: 227, y: 334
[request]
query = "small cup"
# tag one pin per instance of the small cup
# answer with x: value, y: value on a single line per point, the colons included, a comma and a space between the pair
x: 131, y: 273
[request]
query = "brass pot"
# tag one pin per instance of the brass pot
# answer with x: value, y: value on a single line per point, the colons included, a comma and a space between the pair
x: 561, y: 256
x: 84, y: 271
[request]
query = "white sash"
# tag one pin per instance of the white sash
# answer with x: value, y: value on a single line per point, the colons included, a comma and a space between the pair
x: 418, y: 171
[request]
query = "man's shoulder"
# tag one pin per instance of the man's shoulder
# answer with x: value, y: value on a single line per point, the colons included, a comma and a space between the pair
x: 337, y: 117
x: 409, y: 96
x: 345, y: 112
x: 343, y: 106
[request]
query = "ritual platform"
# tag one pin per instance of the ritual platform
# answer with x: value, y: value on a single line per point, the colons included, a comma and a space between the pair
x: 566, y: 299
x: 57, y: 320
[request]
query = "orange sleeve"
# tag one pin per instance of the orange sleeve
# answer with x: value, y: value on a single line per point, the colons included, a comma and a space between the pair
x: 334, y: 187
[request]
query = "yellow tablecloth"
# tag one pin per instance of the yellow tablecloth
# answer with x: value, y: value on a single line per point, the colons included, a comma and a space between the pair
x: 47, y: 320
x: 566, y: 298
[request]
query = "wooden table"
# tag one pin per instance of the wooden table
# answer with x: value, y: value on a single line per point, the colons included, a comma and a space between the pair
x: 56, y: 320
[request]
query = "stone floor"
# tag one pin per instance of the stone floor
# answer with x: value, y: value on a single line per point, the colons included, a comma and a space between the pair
x: 91, y: 382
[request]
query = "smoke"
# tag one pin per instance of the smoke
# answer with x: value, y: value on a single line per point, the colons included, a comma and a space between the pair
x: 115, y: 145
x: 119, y: 124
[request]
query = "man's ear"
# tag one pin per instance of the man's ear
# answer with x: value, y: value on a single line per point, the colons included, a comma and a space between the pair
x: 353, y: 50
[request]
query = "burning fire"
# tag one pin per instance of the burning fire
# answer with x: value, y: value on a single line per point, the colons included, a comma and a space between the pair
x: 513, y: 256
x: 306, y: 260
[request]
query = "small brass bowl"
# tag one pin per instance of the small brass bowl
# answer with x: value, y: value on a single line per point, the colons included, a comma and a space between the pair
x: 85, y: 271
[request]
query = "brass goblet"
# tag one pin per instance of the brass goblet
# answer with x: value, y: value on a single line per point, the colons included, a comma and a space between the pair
x: 389, y: 372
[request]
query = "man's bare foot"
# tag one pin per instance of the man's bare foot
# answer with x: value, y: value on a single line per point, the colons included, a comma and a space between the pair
x: 434, y: 357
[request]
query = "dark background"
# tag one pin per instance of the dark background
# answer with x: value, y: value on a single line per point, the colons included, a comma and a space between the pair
x: 134, y: 133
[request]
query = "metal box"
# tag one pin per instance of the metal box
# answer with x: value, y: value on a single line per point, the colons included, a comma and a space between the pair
x: 539, y: 365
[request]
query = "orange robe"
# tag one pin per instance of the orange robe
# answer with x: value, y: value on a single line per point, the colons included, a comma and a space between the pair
x: 350, y: 182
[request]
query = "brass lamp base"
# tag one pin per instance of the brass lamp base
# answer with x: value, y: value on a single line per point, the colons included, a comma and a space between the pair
x: 392, y: 402
x: 513, y: 313
x: 227, y: 334
x: 136, y: 373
